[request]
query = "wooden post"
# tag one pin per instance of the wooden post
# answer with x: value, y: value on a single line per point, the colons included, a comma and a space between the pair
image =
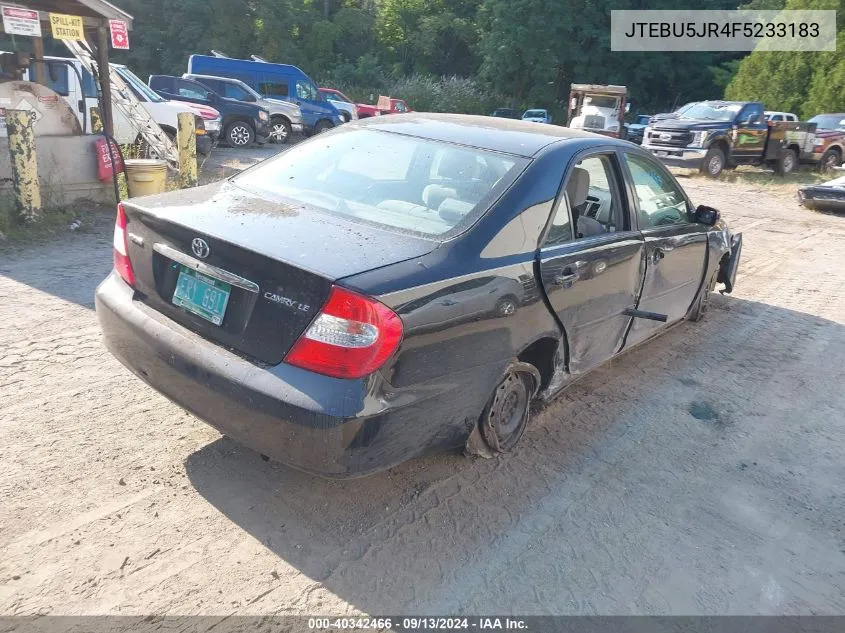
x: 105, y: 77
x: 186, y: 139
x: 40, y: 67
x: 20, y: 128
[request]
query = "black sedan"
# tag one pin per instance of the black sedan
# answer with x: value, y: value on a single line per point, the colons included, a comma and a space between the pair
x: 405, y: 285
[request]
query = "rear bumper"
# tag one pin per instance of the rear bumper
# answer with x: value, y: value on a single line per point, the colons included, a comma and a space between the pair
x: 321, y: 425
x: 677, y: 156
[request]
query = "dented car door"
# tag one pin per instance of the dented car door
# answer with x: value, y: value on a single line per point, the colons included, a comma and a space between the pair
x: 591, y: 262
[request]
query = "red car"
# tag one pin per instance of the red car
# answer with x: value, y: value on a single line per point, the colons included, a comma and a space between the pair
x: 386, y: 105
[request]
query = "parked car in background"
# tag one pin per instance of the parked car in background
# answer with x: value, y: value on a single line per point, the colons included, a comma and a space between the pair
x: 296, y: 307
x: 634, y: 131
x: 712, y: 135
x: 347, y: 108
x: 826, y: 196
x: 537, y: 116
x: 507, y: 113
x: 243, y: 123
x: 829, y: 147
x: 662, y: 116
x: 63, y: 77
x: 391, y: 105
x: 274, y: 81
x: 285, y: 117
x: 780, y: 116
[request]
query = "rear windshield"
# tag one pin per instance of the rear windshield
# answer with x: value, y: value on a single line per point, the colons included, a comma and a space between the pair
x: 414, y: 185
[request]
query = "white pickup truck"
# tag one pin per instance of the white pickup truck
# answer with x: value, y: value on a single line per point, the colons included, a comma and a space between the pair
x: 61, y: 77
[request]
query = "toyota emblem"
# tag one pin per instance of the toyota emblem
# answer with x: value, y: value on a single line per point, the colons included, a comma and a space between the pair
x: 665, y: 137
x: 200, y: 247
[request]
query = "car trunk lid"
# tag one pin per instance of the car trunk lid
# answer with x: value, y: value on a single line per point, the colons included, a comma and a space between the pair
x: 270, y: 265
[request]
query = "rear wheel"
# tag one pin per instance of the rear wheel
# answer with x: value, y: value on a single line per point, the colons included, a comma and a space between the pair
x: 322, y: 126
x: 239, y: 134
x: 505, y: 416
x: 788, y: 162
x: 713, y: 163
x: 280, y: 130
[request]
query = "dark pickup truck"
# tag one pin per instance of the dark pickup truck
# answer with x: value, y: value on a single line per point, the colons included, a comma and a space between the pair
x: 243, y: 123
x: 714, y: 135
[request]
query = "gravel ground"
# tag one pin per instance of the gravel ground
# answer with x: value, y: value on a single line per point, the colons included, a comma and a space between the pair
x: 700, y: 474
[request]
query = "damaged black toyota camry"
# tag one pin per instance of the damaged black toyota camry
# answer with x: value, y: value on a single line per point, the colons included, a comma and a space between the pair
x: 405, y: 285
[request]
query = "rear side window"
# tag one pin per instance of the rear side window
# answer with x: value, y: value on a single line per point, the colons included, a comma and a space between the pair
x: 387, y: 179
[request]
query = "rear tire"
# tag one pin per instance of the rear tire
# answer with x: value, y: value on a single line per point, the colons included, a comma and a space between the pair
x: 713, y: 163
x: 322, y: 126
x: 505, y: 416
x: 240, y: 135
x: 787, y: 163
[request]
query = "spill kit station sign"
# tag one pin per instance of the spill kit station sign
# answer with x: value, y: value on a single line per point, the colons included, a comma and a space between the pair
x: 67, y: 27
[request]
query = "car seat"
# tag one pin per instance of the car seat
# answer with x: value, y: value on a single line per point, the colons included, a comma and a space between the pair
x: 577, y: 189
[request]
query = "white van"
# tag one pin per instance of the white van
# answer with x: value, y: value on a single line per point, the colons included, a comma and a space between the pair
x: 63, y: 75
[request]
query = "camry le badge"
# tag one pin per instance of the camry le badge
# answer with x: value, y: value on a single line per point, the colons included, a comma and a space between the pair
x: 200, y: 247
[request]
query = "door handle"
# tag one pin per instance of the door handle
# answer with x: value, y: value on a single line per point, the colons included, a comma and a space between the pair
x: 657, y: 255
x: 562, y: 280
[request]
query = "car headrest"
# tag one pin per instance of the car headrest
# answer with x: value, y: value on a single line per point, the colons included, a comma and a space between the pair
x: 578, y: 186
x: 453, y: 211
x: 434, y: 195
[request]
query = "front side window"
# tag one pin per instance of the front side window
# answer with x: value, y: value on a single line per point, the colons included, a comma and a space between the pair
x: 56, y: 76
x: 234, y: 91
x: 306, y: 90
x: 387, y: 179
x: 752, y: 113
x: 660, y: 200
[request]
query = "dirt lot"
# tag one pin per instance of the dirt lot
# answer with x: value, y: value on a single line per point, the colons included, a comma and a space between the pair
x: 700, y: 474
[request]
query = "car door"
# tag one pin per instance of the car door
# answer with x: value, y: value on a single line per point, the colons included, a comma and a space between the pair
x: 675, y: 245
x: 751, y: 133
x: 591, y: 260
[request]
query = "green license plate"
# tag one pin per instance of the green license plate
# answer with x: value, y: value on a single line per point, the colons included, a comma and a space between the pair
x: 202, y: 295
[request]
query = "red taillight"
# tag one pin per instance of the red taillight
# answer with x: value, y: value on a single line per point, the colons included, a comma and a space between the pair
x: 121, y: 248
x: 351, y: 337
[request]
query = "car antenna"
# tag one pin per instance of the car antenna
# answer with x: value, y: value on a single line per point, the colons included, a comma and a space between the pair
x: 259, y: 59
x: 218, y: 54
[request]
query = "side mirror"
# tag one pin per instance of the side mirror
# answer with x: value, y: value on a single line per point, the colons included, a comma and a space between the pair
x: 627, y: 107
x: 707, y: 215
x: 573, y: 104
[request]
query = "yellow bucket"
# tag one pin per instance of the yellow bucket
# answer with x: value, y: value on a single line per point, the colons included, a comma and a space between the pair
x: 146, y: 176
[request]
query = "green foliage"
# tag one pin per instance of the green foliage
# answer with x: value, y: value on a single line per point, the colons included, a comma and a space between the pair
x: 464, y: 55
x: 806, y: 83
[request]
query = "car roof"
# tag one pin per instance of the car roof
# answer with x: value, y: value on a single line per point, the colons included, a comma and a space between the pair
x: 510, y: 136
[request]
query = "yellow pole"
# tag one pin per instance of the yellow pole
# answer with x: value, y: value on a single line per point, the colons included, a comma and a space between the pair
x: 19, y: 126
x: 186, y: 139
x: 97, y: 128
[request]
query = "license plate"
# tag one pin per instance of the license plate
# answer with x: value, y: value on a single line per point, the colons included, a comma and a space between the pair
x: 202, y: 295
